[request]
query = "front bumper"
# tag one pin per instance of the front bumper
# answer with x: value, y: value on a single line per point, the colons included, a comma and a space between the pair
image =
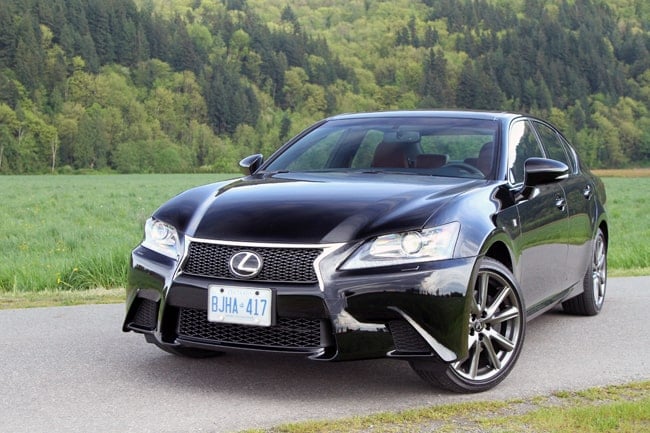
x: 402, y: 312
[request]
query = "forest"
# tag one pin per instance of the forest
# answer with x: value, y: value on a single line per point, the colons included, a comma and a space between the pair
x: 144, y: 86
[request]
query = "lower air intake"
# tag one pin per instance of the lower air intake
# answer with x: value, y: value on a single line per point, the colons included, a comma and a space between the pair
x: 289, y: 333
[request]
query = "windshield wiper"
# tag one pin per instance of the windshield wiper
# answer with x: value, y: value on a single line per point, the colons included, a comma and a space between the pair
x: 379, y: 171
x: 272, y: 172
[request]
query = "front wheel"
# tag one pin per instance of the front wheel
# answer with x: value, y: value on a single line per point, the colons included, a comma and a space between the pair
x: 496, y: 328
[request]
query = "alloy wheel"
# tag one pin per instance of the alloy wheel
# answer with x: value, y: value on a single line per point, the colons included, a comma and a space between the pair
x: 599, y: 270
x: 495, y: 329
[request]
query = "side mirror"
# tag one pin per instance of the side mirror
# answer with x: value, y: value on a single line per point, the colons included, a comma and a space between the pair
x: 250, y: 164
x: 540, y: 171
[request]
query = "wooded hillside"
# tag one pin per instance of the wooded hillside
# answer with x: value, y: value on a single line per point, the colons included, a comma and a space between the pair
x: 187, y: 85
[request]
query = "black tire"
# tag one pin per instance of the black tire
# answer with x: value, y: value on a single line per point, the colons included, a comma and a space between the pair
x: 497, y: 325
x: 590, y: 301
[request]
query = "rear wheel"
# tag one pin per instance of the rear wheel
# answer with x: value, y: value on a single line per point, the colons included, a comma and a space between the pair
x: 496, y: 328
x: 590, y: 301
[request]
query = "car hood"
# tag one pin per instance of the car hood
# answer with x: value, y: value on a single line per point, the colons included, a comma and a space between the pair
x: 311, y: 208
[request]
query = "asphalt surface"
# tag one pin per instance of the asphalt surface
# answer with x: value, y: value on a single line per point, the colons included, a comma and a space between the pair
x: 72, y: 369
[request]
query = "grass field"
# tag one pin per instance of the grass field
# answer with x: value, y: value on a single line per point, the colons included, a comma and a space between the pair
x: 628, y: 206
x: 75, y: 232
x: 71, y: 233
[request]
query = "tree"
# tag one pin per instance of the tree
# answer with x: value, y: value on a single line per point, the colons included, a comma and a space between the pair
x: 99, y: 132
x: 49, y: 139
x: 201, y: 141
x: 9, y: 125
x: 67, y: 124
x: 289, y: 16
x: 7, y: 37
x: 295, y: 80
x: 183, y: 78
x: 239, y: 44
x: 285, y: 127
x: 467, y: 93
x: 184, y: 56
x: 99, y: 27
x: 229, y: 102
x: 607, y: 140
x: 435, y: 89
x: 29, y: 54
x: 413, y: 33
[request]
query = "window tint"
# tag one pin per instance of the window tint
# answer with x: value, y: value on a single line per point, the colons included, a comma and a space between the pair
x: 522, y: 144
x: 364, y: 155
x: 431, y: 146
x: 572, y: 154
x: 553, y: 145
x: 316, y: 155
x: 457, y: 146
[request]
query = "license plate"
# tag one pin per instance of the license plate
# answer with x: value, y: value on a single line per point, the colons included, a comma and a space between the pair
x: 240, y: 305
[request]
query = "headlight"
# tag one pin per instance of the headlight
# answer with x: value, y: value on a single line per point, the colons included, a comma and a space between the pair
x: 161, y: 238
x: 409, y: 247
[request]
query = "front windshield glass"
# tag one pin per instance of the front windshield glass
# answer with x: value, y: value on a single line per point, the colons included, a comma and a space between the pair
x: 441, y: 146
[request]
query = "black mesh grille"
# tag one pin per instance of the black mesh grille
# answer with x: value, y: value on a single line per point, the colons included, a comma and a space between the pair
x: 289, y: 333
x: 146, y: 314
x: 406, y: 339
x: 289, y: 265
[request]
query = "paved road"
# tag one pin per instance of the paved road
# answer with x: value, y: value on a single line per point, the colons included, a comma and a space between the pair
x: 72, y: 369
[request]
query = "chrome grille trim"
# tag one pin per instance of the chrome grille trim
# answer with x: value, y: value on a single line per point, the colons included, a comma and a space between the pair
x: 326, y: 249
x: 294, y: 265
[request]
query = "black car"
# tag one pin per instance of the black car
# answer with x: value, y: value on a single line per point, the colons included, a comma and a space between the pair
x: 425, y: 236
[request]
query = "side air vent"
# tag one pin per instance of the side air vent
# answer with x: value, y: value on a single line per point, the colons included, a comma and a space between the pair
x: 145, y: 316
x: 406, y: 339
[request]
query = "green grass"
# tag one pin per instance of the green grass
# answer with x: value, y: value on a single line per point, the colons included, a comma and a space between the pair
x: 75, y: 232
x: 60, y: 297
x: 612, y: 409
x: 71, y: 233
x: 628, y: 205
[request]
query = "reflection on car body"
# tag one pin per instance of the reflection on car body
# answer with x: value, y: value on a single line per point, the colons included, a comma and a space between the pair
x: 425, y: 236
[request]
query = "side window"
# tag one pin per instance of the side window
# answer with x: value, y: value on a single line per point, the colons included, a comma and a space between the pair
x: 554, y: 146
x: 522, y: 144
x: 573, y: 157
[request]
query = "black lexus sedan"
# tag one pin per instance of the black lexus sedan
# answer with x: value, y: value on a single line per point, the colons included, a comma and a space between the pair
x: 425, y: 236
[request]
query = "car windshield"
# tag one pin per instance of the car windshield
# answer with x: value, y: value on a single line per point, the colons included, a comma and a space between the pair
x: 439, y: 146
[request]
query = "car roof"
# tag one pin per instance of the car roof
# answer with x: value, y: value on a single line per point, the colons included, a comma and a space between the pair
x: 466, y: 114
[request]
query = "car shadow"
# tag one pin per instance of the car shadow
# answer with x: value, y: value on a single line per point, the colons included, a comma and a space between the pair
x: 280, y: 376
x: 294, y: 378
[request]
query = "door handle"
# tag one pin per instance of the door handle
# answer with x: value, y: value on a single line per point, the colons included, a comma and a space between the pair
x: 587, y: 192
x: 560, y: 202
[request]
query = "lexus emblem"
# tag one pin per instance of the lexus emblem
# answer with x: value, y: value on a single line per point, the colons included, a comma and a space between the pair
x: 245, y: 264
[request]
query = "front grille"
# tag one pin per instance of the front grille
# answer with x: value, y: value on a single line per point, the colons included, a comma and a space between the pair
x: 288, y: 333
x: 406, y: 339
x: 287, y: 265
